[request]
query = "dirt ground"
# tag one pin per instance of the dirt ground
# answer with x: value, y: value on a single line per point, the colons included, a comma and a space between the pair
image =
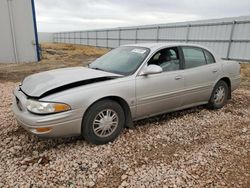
x: 245, y: 75
x: 53, y: 56
x: 192, y: 148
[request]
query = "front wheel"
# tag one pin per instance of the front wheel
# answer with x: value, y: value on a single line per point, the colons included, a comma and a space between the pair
x: 103, y: 122
x: 219, y: 95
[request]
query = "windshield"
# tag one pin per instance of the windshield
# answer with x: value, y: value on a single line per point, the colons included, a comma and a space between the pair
x: 123, y: 60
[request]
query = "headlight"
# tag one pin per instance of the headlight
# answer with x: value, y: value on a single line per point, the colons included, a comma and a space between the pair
x: 46, y: 107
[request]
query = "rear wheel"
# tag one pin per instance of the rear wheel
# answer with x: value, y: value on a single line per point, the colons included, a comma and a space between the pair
x: 219, y: 95
x: 103, y: 122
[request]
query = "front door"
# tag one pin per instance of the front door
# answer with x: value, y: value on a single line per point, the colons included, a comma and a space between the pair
x: 159, y: 93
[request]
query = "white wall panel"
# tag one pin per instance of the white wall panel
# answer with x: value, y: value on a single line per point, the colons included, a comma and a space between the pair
x: 113, y: 34
x: 17, y: 34
x: 72, y: 35
x: 92, y: 34
x: 7, y: 53
x: 145, y: 41
x: 113, y: 43
x: 92, y: 42
x: 84, y: 41
x: 240, y: 50
x: 77, y: 34
x: 77, y: 41
x: 173, y: 33
x: 242, y: 32
x: 147, y: 33
x: 102, y: 42
x: 214, y: 34
x: 123, y: 42
x: 72, y: 41
x: 102, y: 34
x: 84, y: 34
x: 219, y: 48
x: 128, y: 34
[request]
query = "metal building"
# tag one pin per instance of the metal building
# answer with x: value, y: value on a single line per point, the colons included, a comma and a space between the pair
x: 18, y: 32
x: 228, y: 37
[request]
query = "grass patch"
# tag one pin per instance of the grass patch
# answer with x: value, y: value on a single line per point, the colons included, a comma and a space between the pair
x: 53, y: 56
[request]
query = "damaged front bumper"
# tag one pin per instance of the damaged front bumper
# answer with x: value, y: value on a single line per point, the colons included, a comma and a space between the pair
x: 53, y: 125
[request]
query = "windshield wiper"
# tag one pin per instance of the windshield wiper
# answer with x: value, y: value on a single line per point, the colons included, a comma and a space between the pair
x: 96, y: 68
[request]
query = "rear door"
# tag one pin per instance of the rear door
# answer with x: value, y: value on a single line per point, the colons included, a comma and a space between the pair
x: 201, y: 72
x: 158, y: 93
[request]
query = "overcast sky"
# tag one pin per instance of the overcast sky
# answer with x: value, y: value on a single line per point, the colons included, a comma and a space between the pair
x: 67, y: 15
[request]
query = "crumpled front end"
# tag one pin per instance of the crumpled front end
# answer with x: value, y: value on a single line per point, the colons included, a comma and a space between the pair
x: 52, y: 125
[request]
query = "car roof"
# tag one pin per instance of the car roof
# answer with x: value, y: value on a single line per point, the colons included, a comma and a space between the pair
x: 154, y: 46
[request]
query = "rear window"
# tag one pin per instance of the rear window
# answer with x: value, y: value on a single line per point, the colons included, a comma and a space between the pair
x: 209, y: 57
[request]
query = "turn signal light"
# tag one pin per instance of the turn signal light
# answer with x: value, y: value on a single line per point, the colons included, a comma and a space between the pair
x: 43, y: 129
x: 61, y: 107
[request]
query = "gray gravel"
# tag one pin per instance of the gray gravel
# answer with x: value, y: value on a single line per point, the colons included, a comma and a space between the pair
x: 191, y: 148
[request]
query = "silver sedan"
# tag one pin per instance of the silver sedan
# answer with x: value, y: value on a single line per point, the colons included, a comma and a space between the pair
x: 129, y: 83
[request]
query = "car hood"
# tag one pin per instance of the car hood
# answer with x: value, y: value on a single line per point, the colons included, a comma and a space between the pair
x: 48, y: 82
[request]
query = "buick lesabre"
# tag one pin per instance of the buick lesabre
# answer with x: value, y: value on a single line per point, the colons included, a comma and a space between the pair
x: 129, y: 83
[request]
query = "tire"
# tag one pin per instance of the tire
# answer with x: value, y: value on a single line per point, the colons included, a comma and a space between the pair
x: 103, y: 122
x: 219, y: 95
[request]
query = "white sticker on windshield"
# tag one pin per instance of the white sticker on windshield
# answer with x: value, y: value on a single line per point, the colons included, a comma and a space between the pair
x: 137, y: 50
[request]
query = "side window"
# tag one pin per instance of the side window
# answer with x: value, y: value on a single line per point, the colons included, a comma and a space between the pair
x: 209, y: 57
x: 168, y: 59
x: 194, y: 57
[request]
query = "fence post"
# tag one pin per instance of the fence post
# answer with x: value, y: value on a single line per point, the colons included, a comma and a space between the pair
x: 107, y: 36
x: 80, y: 35
x: 87, y: 38
x: 119, y: 37
x: 74, y: 37
x: 53, y: 37
x: 136, y: 35
x: 188, y: 30
x: 230, y: 39
x: 96, y: 42
x: 157, y: 33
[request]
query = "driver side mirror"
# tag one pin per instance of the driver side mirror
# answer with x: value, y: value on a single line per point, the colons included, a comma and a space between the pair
x: 151, y: 69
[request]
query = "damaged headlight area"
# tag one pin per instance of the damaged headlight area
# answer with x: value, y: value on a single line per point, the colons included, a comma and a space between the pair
x: 39, y: 107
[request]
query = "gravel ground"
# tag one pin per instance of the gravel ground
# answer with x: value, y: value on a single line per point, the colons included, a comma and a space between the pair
x: 192, y: 148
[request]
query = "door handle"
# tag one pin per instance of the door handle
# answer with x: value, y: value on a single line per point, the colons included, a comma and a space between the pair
x: 214, y: 71
x: 178, y: 77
